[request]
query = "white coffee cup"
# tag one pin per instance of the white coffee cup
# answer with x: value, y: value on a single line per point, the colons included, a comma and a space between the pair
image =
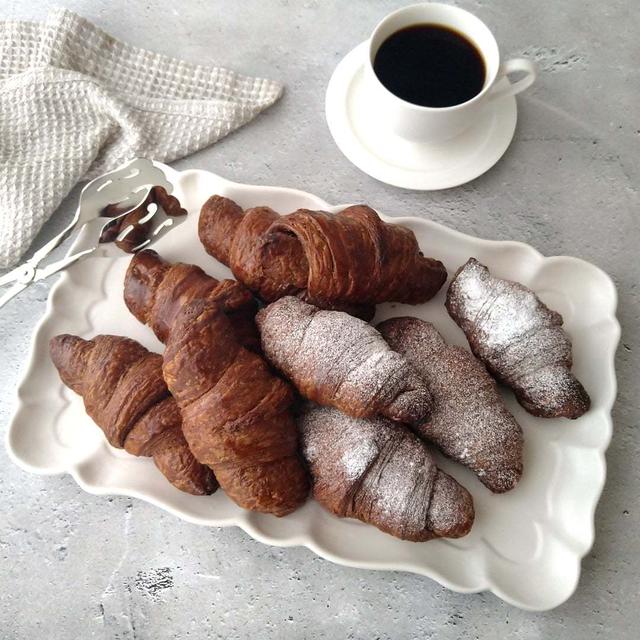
x: 435, y: 124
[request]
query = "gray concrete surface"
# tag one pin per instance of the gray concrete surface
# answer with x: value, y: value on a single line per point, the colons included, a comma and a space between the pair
x: 77, y: 566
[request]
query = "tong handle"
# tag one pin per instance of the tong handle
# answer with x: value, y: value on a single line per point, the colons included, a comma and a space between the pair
x: 41, y: 274
x: 52, y: 244
x: 24, y: 273
x: 28, y: 272
x: 65, y: 262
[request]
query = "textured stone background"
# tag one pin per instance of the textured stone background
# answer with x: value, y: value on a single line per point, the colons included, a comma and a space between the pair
x: 76, y: 566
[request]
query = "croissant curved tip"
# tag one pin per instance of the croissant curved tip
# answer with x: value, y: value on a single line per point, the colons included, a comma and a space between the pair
x: 451, y: 513
x: 141, y: 281
x: 554, y: 392
x: 217, y: 200
x: 504, y: 480
x: 218, y: 221
x: 66, y: 353
x: 61, y: 345
x: 144, y: 255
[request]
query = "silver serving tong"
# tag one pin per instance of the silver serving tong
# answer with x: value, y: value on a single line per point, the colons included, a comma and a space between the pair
x: 124, y: 189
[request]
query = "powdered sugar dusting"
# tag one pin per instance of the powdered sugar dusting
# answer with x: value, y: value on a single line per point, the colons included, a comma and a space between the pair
x: 379, y: 472
x: 355, y: 460
x: 469, y: 423
x: 519, y: 338
x: 337, y: 359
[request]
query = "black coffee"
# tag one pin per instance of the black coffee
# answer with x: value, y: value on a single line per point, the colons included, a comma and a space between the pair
x: 430, y: 65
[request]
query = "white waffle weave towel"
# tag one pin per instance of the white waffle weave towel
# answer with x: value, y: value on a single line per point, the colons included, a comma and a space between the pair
x: 75, y: 102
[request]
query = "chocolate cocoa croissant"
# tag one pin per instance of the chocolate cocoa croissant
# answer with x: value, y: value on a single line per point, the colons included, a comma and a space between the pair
x: 381, y: 473
x: 236, y: 413
x: 520, y: 340
x: 469, y: 422
x: 155, y: 290
x: 124, y: 393
x: 332, y: 261
x: 336, y: 359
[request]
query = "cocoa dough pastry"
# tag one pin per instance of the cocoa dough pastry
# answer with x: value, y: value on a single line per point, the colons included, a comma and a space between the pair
x: 469, y: 422
x: 520, y: 340
x: 155, y: 290
x: 124, y: 393
x: 336, y: 359
x: 381, y: 473
x: 349, y: 261
x: 235, y: 412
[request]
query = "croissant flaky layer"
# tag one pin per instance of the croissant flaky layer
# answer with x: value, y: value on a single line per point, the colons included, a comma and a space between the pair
x: 469, y: 421
x: 336, y: 359
x: 155, y: 290
x: 236, y: 413
x: 380, y: 473
x: 125, y: 394
x: 330, y: 260
x: 520, y: 340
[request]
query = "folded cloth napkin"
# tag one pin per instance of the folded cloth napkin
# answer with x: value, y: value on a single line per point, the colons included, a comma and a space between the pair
x: 75, y: 102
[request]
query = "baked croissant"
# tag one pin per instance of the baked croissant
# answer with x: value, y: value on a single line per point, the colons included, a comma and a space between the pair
x: 469, y: 421
x: 236, y: 413
x: 155, y: 290
x: 125, y: 395
x: 336, y: 359
x: 350, y: 258
x: 379, y: 472
x: 520, y: 340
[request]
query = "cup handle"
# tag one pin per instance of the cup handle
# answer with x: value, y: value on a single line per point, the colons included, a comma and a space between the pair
x: 512, y: 66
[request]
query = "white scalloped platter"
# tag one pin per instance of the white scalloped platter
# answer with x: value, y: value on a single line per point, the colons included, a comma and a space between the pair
x: 525, y: 546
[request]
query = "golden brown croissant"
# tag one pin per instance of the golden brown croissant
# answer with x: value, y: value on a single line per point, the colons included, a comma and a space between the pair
x: 155, y: 291
x: 520, y: 340
x: 350, y: 258
x: 379, y: 472
x: 236, y: 413
x: 125, y: 395
x: 469, y: 422
x: 336, y: 359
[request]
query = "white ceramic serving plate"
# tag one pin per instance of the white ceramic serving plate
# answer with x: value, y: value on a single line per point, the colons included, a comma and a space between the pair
x: 525, y: 546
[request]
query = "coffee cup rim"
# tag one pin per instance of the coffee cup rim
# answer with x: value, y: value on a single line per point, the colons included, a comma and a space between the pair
x: 489, y: 82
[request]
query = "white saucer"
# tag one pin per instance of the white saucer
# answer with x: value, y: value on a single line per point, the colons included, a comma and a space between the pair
x: 399, y: 162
